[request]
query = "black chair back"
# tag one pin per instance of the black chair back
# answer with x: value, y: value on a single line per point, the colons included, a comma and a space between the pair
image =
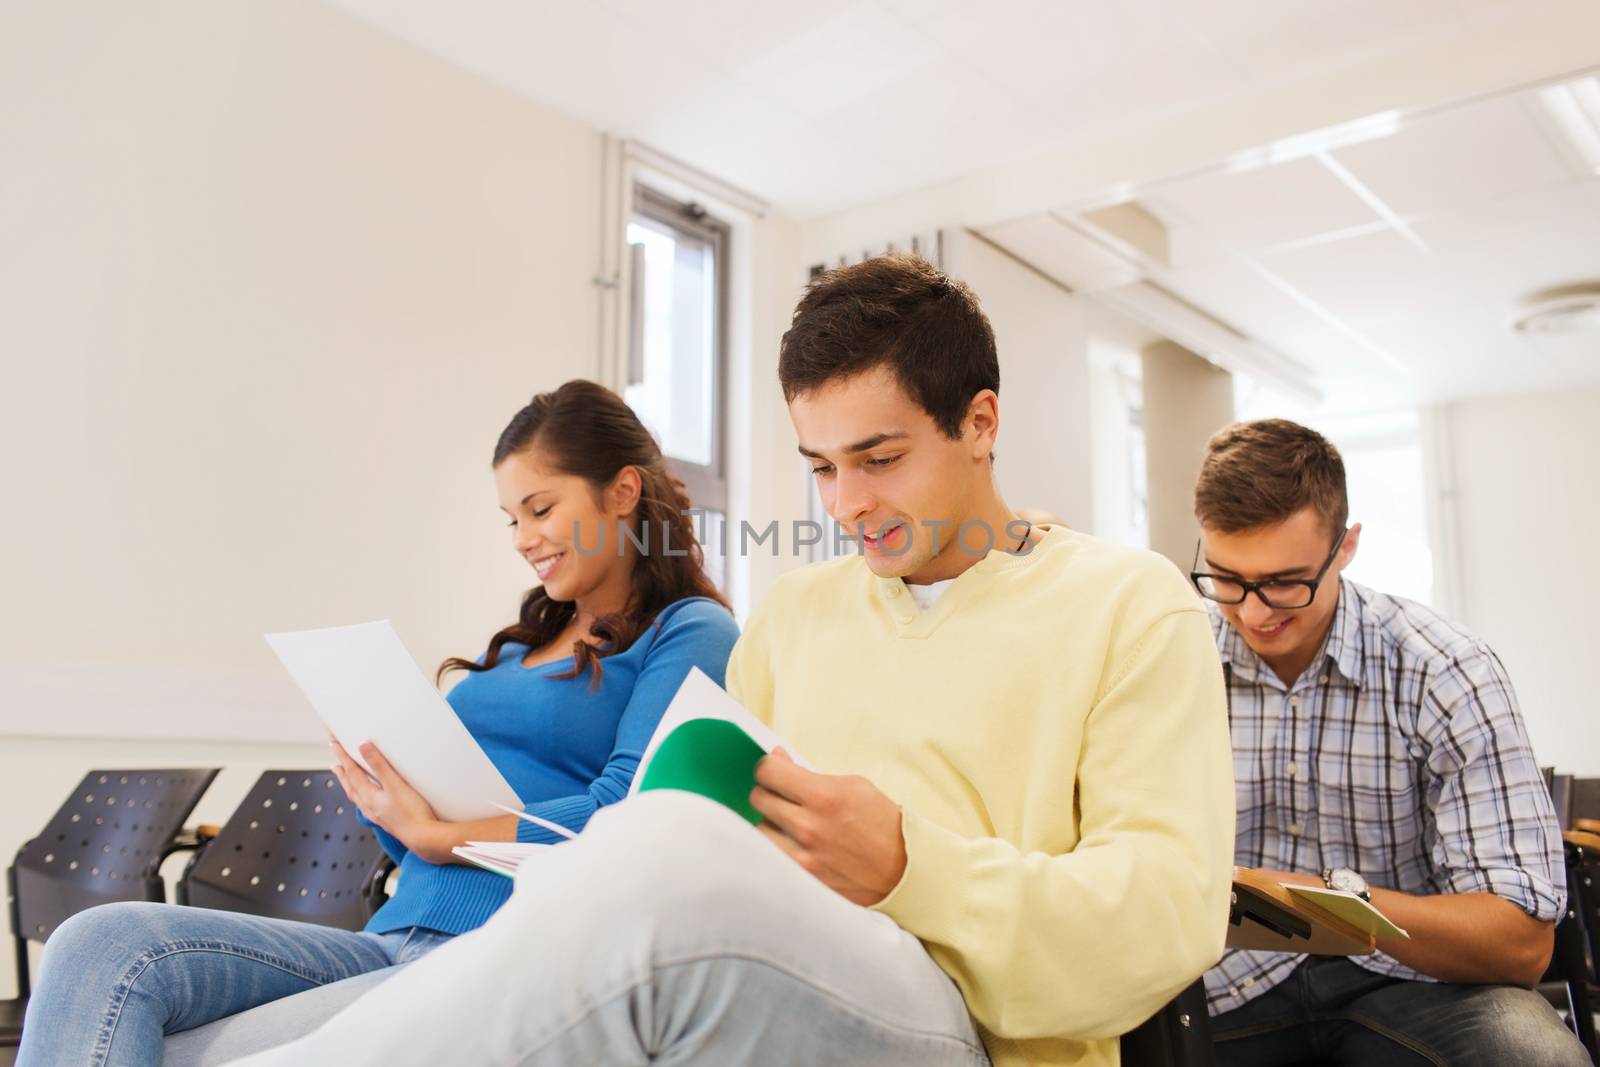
x: 1179, y: 1035
x: 1573, y: 960
x: 293, y: 849
x: 105, y: 844
x: 1585, y: 800
x: 1583, y: 898
x: 1561, y: 799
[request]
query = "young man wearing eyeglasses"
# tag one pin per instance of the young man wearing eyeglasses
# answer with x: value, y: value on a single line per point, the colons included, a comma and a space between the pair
x: 1378, y: 749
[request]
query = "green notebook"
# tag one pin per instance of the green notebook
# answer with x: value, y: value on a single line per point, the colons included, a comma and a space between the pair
x: 712, y: 757
x: 709, y: 743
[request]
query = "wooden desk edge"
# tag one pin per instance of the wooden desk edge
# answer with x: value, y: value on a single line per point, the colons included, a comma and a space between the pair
x: 1269, y: 887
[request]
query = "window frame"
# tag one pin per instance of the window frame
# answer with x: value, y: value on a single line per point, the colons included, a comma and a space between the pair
x: 706, y: 483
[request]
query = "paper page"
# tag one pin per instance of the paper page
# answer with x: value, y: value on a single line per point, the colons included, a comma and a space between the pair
x: 701, y: 698
x: 500, y: 857
x: 554, y: 827
x: 1349, y: 907
x: 365, y: 686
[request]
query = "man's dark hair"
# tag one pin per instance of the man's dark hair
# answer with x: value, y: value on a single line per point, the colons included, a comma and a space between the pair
x: 896, y: 311
x: 1260, y: 473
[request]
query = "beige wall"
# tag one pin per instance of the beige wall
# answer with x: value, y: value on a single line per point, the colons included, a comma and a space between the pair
x: 273, y: 283
x: 1044, y: 451
x: 772, y: 482
x: 1517, y: 488
x: 1186, y: 400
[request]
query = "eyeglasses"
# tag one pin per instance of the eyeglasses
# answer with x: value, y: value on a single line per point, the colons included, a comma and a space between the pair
x: 1284, y: 593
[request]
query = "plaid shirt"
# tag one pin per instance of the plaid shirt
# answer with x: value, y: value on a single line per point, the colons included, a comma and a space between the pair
x: 1398, y: 753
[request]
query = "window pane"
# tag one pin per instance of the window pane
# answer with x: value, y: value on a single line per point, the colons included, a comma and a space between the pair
x: 675, y: 390
x: 711, y: 530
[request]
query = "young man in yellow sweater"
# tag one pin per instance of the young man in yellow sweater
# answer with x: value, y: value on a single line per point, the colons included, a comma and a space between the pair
x: 1017, y: 843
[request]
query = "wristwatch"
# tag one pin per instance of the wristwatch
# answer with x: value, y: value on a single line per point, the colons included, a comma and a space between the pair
x: 1343, y: 878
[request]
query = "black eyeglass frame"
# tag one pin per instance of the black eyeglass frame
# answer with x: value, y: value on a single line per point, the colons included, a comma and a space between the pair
x: 1247, y: 588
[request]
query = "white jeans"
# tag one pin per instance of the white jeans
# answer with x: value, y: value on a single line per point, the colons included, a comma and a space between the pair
x: 669, y: 932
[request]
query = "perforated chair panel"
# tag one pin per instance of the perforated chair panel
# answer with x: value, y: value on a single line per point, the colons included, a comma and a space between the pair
x: 105, y: 844
x: 294, y: 849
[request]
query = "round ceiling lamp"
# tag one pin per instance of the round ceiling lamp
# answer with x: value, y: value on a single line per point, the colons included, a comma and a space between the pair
x: 1567, y: 309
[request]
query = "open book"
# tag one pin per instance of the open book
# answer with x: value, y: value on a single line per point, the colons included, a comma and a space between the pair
x: 708, y: 743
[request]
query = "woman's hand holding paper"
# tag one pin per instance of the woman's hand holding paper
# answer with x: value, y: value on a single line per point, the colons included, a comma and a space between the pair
x: 386, y: 798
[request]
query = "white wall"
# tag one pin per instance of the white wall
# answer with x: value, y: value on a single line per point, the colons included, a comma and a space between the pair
x: 1044, y: 453
x: 774, y: 482
x: 273, y: 284
x: 1186, y: 400
x: 1526, y: 512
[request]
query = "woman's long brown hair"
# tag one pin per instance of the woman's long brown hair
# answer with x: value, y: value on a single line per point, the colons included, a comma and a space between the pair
x: 584, y: 429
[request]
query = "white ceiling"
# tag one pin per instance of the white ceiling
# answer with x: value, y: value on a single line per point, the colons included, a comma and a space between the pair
x: 821, y: 105
x: 1380, y: 262
x: 1380, y: 268
x: 1397, y: 263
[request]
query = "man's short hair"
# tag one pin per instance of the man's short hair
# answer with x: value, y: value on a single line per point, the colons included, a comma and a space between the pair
x: 1260, y: 473
x: 896, y: 311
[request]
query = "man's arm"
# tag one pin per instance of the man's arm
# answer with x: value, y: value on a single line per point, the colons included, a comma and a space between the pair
x: 1467, y: 937
x: 1473, y: 938
x: 1497, y: 852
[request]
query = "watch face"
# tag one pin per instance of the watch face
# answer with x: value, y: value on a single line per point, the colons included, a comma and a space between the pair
x: 1343, y: 878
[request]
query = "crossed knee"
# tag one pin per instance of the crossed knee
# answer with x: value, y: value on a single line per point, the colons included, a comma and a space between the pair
x: 665, y: 857
x: 107, y: 934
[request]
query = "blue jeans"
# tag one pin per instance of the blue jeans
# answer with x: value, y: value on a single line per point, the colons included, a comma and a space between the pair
x: 668, y: 933
x: 116, y: 979
x: 1332, y: 1011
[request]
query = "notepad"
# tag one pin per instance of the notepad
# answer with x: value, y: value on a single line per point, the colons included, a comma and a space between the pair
x: 1348, y: 908
x: 365, y: 686
x: 708, y: 743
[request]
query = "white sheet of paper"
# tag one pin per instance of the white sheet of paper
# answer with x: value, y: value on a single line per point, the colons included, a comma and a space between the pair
x: 365, y: 686
x: 701, y: 698
x: 501, y: 857
x: 554, y: 827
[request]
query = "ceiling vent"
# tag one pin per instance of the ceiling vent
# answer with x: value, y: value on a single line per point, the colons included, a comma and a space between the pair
x: 1568, y: 309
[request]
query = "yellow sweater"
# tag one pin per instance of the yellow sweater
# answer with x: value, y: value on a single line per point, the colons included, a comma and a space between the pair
x: 1054, y: 727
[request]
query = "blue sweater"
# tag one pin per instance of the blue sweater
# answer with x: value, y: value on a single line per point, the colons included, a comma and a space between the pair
x: 566, y: 749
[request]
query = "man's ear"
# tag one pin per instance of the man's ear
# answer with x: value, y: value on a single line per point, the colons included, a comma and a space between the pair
x: 1347, y: 551
x: 622, y: 495
x: 982, y: 423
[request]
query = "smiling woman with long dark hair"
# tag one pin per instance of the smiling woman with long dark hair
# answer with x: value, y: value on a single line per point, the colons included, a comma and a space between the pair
x: 563, y: 700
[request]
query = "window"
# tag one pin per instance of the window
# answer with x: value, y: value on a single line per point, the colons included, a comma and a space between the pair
x: 1385, y: 481
x: 677, y: 349
x: 1383, y: 469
